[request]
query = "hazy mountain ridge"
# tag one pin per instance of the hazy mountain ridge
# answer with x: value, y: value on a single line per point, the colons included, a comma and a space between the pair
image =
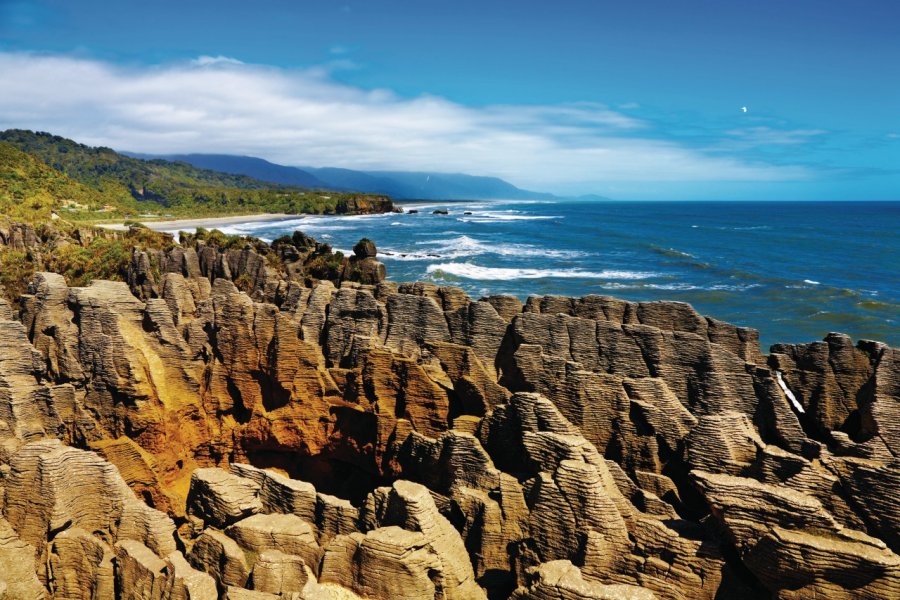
x: 248, y: 166
x: 400, y: 185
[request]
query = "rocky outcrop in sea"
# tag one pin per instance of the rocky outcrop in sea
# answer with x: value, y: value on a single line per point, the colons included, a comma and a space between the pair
x: 214, y: 427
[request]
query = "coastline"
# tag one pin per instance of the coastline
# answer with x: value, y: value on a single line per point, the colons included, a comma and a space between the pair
x: 205, y: 222
x: 658, y: 251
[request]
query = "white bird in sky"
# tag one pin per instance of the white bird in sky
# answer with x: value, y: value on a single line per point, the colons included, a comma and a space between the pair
x: 743, y: 109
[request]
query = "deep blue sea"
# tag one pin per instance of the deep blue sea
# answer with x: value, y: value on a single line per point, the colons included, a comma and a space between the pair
x: 793, y: 270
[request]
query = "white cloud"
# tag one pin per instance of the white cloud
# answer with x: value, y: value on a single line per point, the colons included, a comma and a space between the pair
x: 769, y: 136
x: 206, y: 61
x: 304, y: 117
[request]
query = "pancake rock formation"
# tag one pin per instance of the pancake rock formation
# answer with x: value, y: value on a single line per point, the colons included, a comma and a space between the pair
x: 217, y: 428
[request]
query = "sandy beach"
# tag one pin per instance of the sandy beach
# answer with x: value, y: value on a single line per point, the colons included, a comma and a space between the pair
x: 205, y: 222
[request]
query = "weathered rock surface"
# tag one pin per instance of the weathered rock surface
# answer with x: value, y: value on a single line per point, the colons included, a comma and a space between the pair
x: 287, y: 533
x: 278, y: 573
x: 220, y: 498
x: 410, y: 506
x: 361, y: 438
x: 51, y: 487
x: 561, y: 580
x: 218, y: 555
x: 18, y: 577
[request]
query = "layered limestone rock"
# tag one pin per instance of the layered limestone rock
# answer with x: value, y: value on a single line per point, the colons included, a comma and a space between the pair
x: 18, y: 578
x: 219, y: 498
x: 78, y: 531
x: 288, y: 534
x: 355, y: 437
x: 264, y: 271
x: 388, y: 562
x: 140, y: 573
x: 561, y: 580
x: 773, y: 525
x: 28, y: 409
x: 579, y: 510
x: 51, y: 487
x: 410, y: 506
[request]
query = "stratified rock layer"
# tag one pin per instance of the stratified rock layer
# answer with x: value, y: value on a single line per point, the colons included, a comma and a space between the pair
x: 176, y: 437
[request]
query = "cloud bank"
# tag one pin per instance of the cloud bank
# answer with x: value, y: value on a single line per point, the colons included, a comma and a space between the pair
x: 305, y: 117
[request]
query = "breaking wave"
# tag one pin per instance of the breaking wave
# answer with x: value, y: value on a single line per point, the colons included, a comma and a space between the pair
x: 467, y: 247
x: 504, y: 215
x: 470, y: 271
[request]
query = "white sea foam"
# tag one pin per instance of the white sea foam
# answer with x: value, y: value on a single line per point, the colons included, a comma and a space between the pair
x: 466, y: 247
x: 418, y: 207
x: 233, y: 230
x: 492, y: 216
x: 674, y: 287
x: 810, y: 282
x: 741, y: 228
x: 310, y: 223
x: 736, y: 288
x: 639, y: 285
x: 678, y: 287
x: 618, y: 274
x: 514, y: 202
x: 470, y: 271
x: 681, y: 253
x: 292, y: 223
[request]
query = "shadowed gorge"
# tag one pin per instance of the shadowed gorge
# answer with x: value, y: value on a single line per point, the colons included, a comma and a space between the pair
x: 234, y: 419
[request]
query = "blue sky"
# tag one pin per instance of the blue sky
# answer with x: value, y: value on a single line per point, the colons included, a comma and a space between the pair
x: 634, y: 100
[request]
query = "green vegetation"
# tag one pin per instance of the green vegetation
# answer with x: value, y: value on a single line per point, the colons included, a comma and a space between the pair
x: 16, y: 269
x: 30, y: 190
x: 214, y: 237
x: 101, y: 259
x: 325, y: 264
x: 104, y: 257
x: 112, y: 185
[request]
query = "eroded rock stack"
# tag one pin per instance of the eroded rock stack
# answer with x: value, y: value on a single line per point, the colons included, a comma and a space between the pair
x: 181, y: 438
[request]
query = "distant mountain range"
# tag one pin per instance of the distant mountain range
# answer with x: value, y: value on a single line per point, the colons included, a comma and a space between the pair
x: 400, y: 185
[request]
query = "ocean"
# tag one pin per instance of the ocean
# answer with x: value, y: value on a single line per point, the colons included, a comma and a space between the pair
x: 793, y: 270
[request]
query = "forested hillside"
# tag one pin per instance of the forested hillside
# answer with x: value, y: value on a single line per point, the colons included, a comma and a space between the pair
x: 102, y: 183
